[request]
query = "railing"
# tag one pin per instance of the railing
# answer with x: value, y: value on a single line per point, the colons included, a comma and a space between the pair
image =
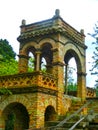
x: 29, y: 79
x: 81, y: 119
x: 70, y: 117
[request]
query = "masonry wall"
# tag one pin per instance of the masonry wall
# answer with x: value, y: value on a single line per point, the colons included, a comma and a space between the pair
x: 35, y: 104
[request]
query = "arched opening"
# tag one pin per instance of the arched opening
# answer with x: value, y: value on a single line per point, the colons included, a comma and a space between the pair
x: 31, y: 62
x: 15, y: 117
x: 47, y: 56
x: 72, y: 66
x: 31, y: 58
x: 50, y: 114
x: 72, y: 77
x: 43, y: 64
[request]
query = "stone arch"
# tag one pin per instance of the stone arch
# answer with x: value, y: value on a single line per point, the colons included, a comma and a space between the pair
x: 47, y: 40
x: 24, y: 56
x: 72, y: 50
x: 72, y: 53
x: 46, y: 46
x: 8, y: 105
x: 15, y: 116
x: 14, y: 98
x: 50, y: 113
x: 47, y: 54
x: 31, y: 46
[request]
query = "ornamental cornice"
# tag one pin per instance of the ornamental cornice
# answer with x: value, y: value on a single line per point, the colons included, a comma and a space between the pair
x: 33, y: 89
x: 51, y: 30
x: 50, y: 26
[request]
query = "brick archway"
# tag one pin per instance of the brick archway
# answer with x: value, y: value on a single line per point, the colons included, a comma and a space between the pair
x: 73, y: 50
x: 50, y: 113
x: 14, y: 103
x: 56, y: 41
x: 16, y: 116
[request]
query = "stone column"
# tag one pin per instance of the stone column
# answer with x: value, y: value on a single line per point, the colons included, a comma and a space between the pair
x: 66, y: 77
x: 2, y: 121
x: 81, y: 83
x: 38, y: 61
x: 58, y: 71
x: 23, y: 63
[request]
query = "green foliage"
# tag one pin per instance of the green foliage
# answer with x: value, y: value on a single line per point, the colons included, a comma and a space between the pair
x: 10, y: 122
x: 96, y: 90
x: 70, y: 77
x: 31, y: 64
x: 94, y: 70
x: 8, y: 67
x: 5, y: 91
x: 72, y: 87
x: 6, y: 51
x: 8, y: 64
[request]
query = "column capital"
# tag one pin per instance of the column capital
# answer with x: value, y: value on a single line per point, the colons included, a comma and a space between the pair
x: 81, y: 73
x: 58, y: 63
x: 38, y: 51
x: 23, y: 56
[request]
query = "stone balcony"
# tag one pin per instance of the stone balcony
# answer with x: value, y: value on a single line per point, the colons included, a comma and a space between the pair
x: 30, y: 82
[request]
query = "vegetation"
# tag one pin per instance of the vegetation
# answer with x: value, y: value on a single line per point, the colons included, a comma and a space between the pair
x: 96, y: 89
x: 8, y: 64
x: 6, y: 51
x: 31, y: 64
x: 8, y: 67
x: 71, y: 85
x: 10, y: 122
x: 94, y: 69
x: 5, y: 91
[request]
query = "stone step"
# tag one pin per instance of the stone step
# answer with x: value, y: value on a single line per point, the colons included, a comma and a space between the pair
x: 65, y: 126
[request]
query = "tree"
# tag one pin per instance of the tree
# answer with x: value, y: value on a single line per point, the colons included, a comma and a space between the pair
x: 6, y: 50
x: 94, y: 69
x: 8, y: 67
x: 8, y: 63
x: 71, y: 85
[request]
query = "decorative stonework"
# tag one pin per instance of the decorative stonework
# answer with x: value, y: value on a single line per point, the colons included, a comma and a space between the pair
x: 29, y: 80
x: 50, y: 26
x: 41, y: 95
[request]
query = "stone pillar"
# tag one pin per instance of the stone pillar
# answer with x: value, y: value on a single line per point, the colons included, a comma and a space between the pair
x: 81, y: 83
x: 38, y: 61
x: 58, y: 71
x: 23, y: 63
x: 2, y: 121
x: 49, y: 69
x: 66, y: 77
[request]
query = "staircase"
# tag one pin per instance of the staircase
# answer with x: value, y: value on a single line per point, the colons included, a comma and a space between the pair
x: 75, y: 120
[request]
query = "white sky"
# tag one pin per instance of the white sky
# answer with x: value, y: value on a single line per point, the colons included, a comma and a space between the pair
x: 81, y: 14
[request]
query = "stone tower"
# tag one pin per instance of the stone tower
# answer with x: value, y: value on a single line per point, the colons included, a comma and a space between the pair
x: 39, y: 96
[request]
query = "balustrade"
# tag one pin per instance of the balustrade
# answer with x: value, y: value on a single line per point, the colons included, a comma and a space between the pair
x: 29, y: 80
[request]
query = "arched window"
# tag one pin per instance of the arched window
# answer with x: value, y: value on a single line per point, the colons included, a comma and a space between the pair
x: 43, y: 64
x: 70, y: 73
x: 50, y: 113
x: 31, y: 62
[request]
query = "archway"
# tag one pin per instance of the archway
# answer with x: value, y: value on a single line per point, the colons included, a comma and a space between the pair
x: 31, y: 62
x: 50, y: 113
x: 72, y: 77
x: 71, y: 54
x: 43, y: 64
x: 47, y: 55
x: 15, y: 117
